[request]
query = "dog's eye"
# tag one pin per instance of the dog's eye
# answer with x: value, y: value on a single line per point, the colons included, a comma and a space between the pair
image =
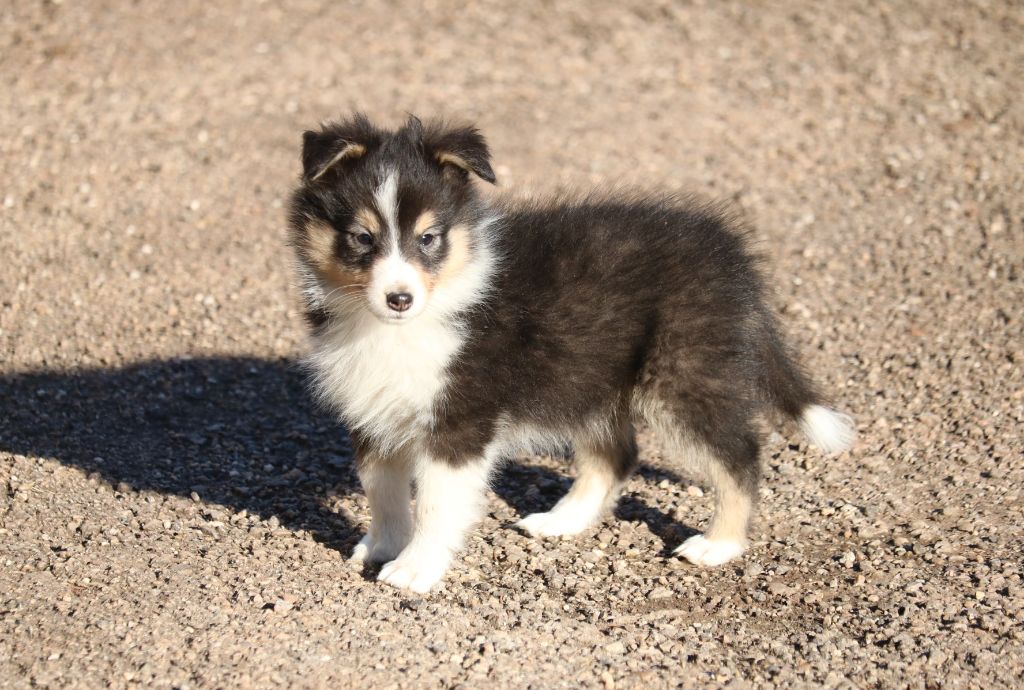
x: 365, y: 239
x: 426, y: 239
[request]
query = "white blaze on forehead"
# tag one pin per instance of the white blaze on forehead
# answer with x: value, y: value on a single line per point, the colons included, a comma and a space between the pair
x: 395, y: 274
x: 386, y: 198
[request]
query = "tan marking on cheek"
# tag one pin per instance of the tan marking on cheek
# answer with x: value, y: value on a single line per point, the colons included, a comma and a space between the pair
x: 318, y: 244
x: 318, y: 247
x: 352, y: 280
x: 425, y: 222
x: 458, y: 254
x: 368, y: 220
x: 427, y: 279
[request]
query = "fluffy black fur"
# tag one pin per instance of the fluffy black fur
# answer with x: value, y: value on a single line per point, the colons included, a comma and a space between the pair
x: 600, y: 311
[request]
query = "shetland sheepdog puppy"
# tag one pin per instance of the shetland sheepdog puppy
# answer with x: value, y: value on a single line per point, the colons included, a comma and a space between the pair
x: 452, y: 331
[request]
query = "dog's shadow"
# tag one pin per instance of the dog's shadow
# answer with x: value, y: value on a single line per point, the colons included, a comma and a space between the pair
x: 529, y: 488
x: 240, y: 432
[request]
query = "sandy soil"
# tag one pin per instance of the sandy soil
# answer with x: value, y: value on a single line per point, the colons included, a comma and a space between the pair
x: 173, y: 512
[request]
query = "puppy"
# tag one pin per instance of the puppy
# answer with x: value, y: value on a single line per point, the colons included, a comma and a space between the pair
x: 451, y: 332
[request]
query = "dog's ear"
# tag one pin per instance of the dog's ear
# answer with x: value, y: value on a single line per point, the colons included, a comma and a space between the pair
x: 459, y: 149
x: 335, y: 144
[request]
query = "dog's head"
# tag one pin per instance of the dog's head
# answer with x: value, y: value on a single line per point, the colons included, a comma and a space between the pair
x: 384, y: 219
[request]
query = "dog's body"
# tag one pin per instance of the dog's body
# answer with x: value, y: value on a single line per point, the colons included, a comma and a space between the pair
x: 451, y: 333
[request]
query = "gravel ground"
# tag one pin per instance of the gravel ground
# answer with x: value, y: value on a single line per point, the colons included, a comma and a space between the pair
x: 174, y: 513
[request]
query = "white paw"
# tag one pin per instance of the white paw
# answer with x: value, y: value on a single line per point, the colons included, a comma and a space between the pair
x: 700, y: 550
x: 553, y: 524
x: 415, y: 571
x: 362, y: 550
x: 377, y: 550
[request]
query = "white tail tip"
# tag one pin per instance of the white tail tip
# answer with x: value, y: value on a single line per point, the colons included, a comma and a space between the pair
x: 831, y: 431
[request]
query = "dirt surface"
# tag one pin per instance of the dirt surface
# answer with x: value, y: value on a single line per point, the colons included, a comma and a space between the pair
x: 173, y: 512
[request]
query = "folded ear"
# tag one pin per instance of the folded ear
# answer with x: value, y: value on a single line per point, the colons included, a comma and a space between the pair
x: 336, y: 143
x: 462, y: 149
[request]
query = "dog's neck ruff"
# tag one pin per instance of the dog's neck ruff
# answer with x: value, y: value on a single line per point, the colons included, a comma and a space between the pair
x: 385, y: 379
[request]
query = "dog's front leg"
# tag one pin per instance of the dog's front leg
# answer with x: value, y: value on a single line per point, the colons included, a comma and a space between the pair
x: 449, y: 500
x: 387, y: 480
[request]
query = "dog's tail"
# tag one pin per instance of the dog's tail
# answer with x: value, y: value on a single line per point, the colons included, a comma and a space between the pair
x: 786, y: 386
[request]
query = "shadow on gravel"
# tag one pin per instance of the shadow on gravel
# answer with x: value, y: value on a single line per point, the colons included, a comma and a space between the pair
x: 529, y: 489
x: 663, y: 526
x: 240, y: 432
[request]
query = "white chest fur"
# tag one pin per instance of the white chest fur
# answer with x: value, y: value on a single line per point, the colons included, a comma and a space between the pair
x: 385, y: 378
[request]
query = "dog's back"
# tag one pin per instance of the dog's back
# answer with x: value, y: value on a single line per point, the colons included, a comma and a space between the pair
x: 586, y: 296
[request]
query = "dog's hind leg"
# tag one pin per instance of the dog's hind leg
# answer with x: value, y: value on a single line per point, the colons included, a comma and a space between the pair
x: 720, y: 444
x: 732, y: 472
x: 602, y: 467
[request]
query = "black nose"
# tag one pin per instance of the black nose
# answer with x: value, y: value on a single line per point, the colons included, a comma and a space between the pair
x: 399, y: 301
